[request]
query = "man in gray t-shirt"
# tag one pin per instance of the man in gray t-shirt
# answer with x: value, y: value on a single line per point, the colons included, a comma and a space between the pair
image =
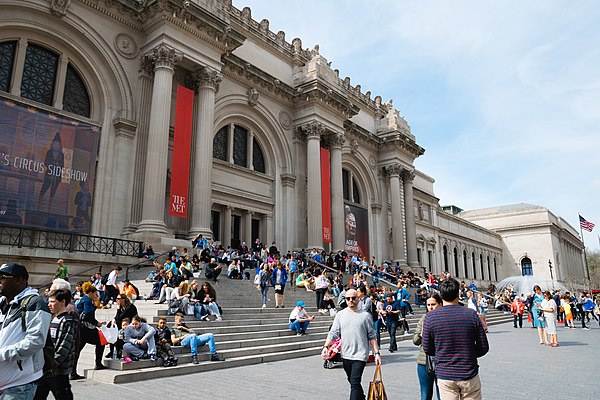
x: 355, y: 327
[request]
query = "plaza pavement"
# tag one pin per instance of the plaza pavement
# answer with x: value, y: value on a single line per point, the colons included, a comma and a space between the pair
x: 516, y: 367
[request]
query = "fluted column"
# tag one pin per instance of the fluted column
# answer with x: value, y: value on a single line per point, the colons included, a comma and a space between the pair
x: 314, y: 130
x: 397, y: 226
x: 208, y: 80
x: 337, y: 195
x: 248, y: 228
x: 165, y: 59
x: 408, y: 176
x: 226, y: 226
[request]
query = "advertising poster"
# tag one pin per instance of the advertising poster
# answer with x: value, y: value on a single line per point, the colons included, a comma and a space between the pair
x: 356, y: 223
x: 47, y: 169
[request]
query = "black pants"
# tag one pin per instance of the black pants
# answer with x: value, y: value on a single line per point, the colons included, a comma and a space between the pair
x: 320, y: 294
x: 392, y: 326
x: 519, y: 318
x: 354, y: 370
x: 59, y: 385
x: 111, y: 293
x: 91, y: 336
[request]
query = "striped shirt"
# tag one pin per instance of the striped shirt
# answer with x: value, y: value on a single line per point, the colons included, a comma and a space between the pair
x: 455, y: 336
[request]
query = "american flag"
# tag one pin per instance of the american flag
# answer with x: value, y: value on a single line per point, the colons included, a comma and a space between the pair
x: 585, y: 224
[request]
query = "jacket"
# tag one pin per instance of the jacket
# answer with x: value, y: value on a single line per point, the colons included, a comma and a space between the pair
x: 21, y: 353
x: 63, y: 331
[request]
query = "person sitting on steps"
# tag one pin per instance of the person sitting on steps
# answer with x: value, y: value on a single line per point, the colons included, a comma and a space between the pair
x: 184, y: 336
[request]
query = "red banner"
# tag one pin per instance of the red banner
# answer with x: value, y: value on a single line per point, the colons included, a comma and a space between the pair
x: 326, y: 195
x: 182, y: 143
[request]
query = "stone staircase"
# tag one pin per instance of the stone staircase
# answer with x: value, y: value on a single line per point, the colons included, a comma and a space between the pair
x: 247, y: 335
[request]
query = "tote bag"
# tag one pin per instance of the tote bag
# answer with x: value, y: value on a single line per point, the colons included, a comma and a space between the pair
x: 376, y: 389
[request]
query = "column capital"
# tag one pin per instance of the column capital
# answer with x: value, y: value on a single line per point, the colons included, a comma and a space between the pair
x: 336, y: 140
x: 408, y: 175
x: 313, y: 130
x: 376, y: 208
x: 207, y: 77
x: 164, y: 56
x: 394, y: 170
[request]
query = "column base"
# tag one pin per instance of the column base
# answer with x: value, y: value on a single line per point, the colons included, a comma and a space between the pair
x: 152, y: 226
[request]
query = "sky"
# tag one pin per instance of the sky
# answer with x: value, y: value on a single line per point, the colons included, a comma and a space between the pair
x: 503, y: 95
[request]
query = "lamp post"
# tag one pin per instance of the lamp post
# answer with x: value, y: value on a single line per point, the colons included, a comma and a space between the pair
x: 550, y: 266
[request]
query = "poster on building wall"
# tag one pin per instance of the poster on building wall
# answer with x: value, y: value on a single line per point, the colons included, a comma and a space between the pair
x: 47, y: 169
x: 356, y: 223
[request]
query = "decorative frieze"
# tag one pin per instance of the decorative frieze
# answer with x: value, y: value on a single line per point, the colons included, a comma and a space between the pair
x: 59, y: 7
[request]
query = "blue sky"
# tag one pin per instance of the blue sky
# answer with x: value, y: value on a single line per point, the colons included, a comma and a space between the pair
x: 503, y: 95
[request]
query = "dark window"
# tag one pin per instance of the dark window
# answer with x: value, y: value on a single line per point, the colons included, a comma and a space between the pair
x: 419, y: 256
x: 39, y: 74
x: 76, y: 98
x: 474, y: 265
x: 455, y: 262
x: 495, y: 270
x: 240, y: 146
x: 445, y: 258
x: 481, y: 263
x: 526, y: 268
x: 258, y: 159
x: 7, y: 57
x: 465, y: 264
x: 346, y: 184
x: 215, y: 224
x: 489, y: 268
x: 430, y: 260
x: 220, y: 144
x: 355, y: 194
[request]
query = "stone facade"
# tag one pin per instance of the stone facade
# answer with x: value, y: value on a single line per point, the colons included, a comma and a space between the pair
x: 264, y: 107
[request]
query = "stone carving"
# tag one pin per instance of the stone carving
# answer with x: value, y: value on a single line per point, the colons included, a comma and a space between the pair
x: 297, y: 45
x: 372, y: 162
x: 337, y: 140
x: 164, y: 56
x: 353, y: 146
x: 393, y: 170
x: 126, y: 46
x: 246, y: 15
x: 263, y: 27
x: 253, y: 96
x: 59, y: 7
x: 377, y: 101
x: 313, y: 130
x: 315, y: 51
x: 408, y: 175
x: 285, y: 119
x: 146, y: 67
x: 280, y: 38
x: 207, y: 77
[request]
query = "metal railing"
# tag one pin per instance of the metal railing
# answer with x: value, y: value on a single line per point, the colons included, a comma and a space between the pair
x: 18, y: 236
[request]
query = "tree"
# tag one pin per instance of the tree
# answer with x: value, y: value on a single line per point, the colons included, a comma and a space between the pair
x: 593, y: 261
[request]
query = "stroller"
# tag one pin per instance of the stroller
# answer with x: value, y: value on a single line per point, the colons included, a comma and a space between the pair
x: 335, y: 356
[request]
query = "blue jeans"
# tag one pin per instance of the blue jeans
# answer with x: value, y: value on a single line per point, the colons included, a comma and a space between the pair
x: 263, y: 291
x: 207, y: 338
x: 21, y: 392
x: 354, y: 370
x: 426, y: 381
x: 299, y: 327
x: 377, y: 326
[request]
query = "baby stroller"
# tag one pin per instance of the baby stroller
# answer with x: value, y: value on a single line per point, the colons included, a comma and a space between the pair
x: 335, y: 356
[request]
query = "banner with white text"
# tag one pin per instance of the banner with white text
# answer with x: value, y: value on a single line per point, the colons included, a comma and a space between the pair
x: 356, y: 222
x: 47, y: 168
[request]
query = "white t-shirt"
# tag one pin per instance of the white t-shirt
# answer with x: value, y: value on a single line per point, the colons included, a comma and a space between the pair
x: 297, y: 314
x: 112, y: 278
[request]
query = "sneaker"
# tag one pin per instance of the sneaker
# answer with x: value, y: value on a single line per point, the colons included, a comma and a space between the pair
x: 215, y: 357
x: 219, y: 318
x: 586, y: 328
x: 100, y: 367
x: 205, y: 318
x: 174, y: 362
x: 195, y: 359
x: 264, y: 306
x: 167, y: 363
x: 134, y: 358
x: 76, y: 377
x: 153, y: 357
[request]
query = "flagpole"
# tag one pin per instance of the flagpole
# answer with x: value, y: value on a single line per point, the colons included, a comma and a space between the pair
x: 587, y: 270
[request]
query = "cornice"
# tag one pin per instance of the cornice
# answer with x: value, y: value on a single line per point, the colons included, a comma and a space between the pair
x: 401, y: 142
x: 354, y: 131
x: 315, y: 92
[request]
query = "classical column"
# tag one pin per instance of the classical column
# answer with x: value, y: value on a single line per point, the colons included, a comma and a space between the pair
x: 396, y: 200
x: 226, y: 226
x: 376, y: 218
x: 268, y: 229
x: 125, y: 135
x: 208, y: 80
x: 337, y: 195
x: 408, y: 176
x: 314, y: 130
x: 288, y: 182
x: 248, y: 229
x: 153, y: 210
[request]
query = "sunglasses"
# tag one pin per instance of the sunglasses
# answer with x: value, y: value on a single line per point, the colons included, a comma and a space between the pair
x: 351, y: 298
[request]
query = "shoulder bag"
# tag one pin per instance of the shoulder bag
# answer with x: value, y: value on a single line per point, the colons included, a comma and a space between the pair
x: 376, y: 389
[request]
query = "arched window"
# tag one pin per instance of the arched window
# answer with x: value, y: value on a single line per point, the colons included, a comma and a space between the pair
x: 474, y: 265
x: 526, y: 268
x: 465, y: 264
x: 455, y: 262
x: 350, y: 187
x: 445, y: 258
x: 40, y: 78
x: 231, y: 142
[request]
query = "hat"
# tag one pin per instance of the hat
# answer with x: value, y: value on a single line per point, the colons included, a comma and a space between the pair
x: 299, y: 304
x: 14, y: 269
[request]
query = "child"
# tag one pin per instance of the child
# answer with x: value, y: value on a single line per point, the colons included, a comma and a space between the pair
x: 163, y: 343
x: 566, y: 305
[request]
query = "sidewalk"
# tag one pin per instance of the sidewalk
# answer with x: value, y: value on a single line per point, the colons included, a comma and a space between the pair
x: 516, y: 367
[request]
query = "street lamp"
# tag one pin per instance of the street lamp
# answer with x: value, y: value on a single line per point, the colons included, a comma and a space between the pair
x: 550, y: 266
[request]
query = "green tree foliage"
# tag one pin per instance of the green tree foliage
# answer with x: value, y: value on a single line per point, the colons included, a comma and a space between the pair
x: 593, y: 260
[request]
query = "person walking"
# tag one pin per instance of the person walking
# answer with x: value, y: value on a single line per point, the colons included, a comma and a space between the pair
x: 22, y: 337
x: 391, y: 311
x: 355, y: 326
x: 456, y: 337
x: 426, y: 379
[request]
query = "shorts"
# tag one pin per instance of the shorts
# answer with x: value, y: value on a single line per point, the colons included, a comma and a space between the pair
x: 280, y: 290
x: 569, y: 317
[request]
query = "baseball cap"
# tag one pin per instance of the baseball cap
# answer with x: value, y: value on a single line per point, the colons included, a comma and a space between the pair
x: 299, y: 304
x: 14, y: 269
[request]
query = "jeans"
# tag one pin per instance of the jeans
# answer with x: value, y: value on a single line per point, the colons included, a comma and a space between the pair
x: 299, y: 327
x: 392, y: 326
x: 21, y: 392
x: 426, y: 381
x: 194, y: 341
x: 354, y: 370
x: 59, y: 385
x: 213, y: 308
x: 263, y: 291
x: 377, y: 326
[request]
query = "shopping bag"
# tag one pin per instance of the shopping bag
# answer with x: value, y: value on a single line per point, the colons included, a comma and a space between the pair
x: 376, y: 389
x: 108, y: 335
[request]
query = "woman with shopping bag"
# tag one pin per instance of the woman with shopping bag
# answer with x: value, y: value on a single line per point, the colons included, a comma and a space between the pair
x: 88, y: 323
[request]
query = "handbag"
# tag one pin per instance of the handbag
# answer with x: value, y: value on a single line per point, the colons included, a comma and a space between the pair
x: 376, y: 389
x: 108, y: 335
x: 430, y: 364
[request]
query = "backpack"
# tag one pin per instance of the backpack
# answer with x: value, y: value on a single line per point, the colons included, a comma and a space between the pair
x: 104, y: 279
x: 50, y: 362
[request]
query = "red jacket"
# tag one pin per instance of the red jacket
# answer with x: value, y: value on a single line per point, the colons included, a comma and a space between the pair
x: 517, y: 307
